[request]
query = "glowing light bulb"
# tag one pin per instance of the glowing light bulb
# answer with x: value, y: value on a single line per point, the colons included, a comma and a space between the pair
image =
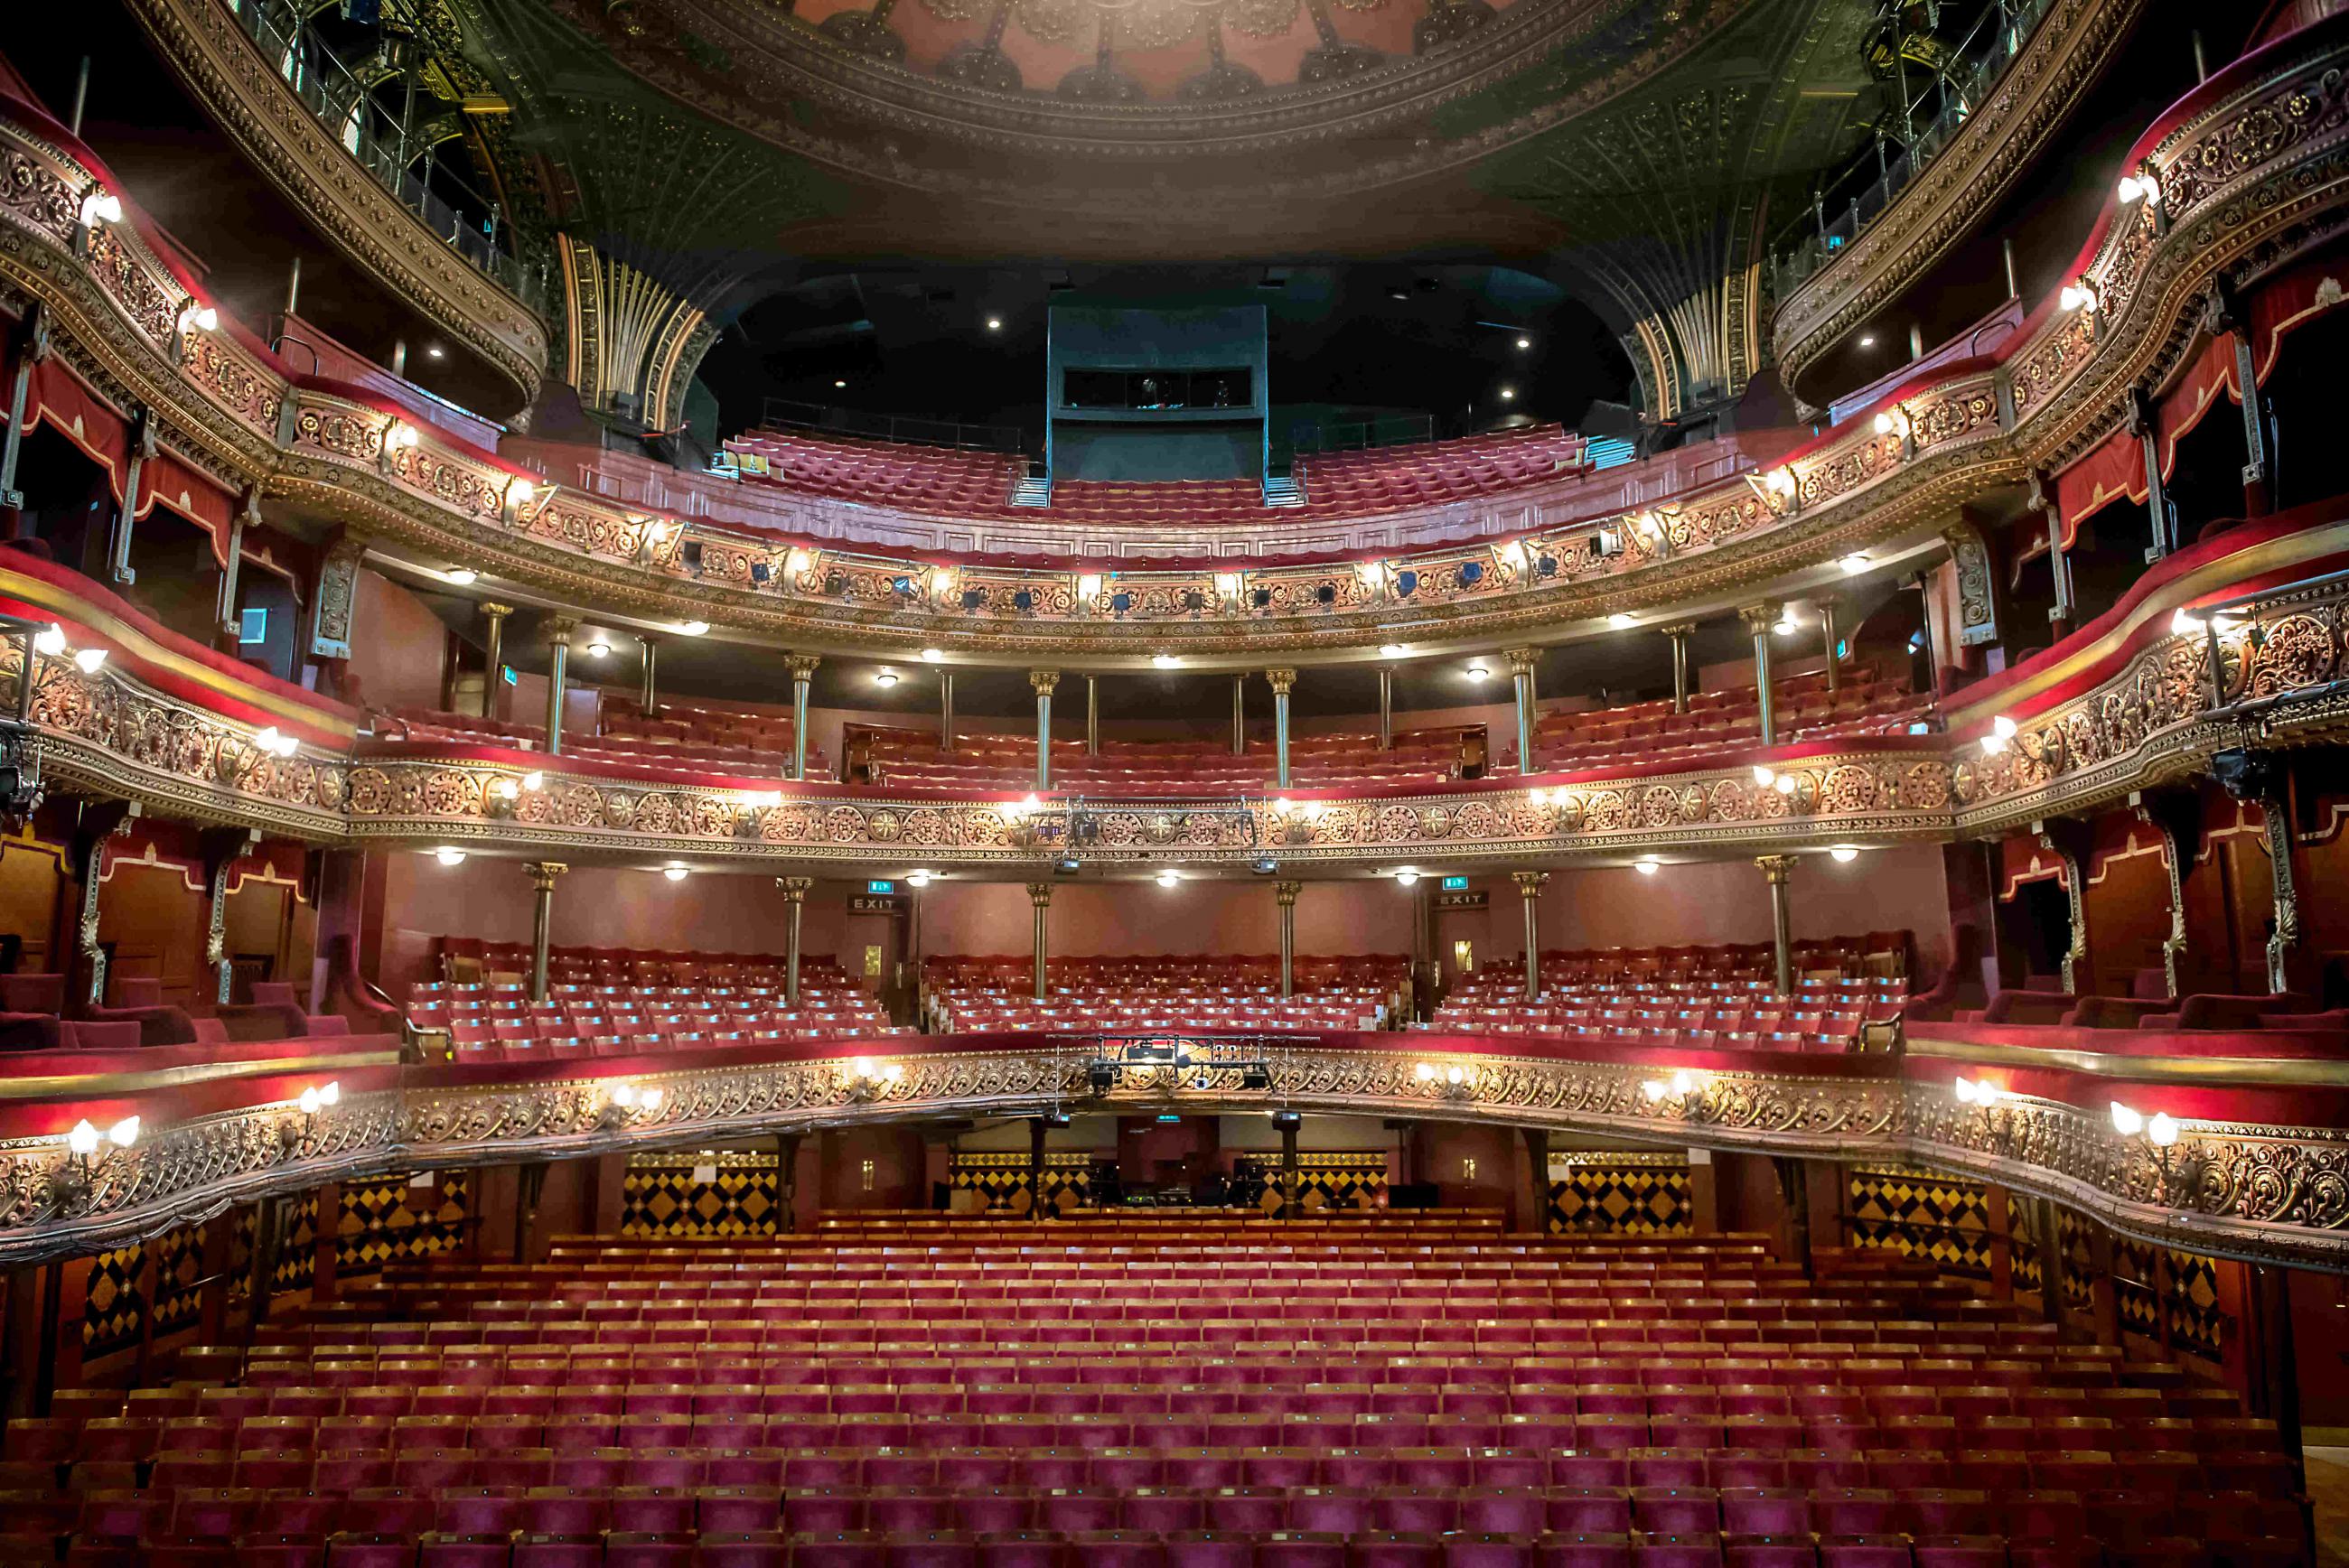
x: 676, y: 873
x: 51, y: 642
x: 1646, y: 868
x: 1622, y: 621
x: 1842, y: 854
x: 83, y: 1139
x: 2127, y: 1119
x: 1763, y: 777
x: 88, y: 660
x: 1424, y: 1072
x: 123, y: 1133
x: 2160, y: 1130
x: 449, y: 856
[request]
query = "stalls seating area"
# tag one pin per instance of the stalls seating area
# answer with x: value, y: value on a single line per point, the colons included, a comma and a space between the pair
x: 1387, y: 1390
x: 683, y: 734
x: 489, y: 1024
x: 1335, y: 484
x: 996, y: 994
x: 1164, y: 768
x: 1727, y: 720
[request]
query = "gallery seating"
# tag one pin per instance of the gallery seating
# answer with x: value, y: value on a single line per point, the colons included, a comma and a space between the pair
x: 1725, y: 720
x: 1165, y: 1389
x: 1160, y: 769
x: 501, y: 1024
x: 683, y: 734
x: 1334, y: 484
x: 965, y: 995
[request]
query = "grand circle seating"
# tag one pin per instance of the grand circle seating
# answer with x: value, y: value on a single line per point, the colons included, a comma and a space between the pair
x: 987, y: 994
x: 1336, y: 484
x: 1382, y: 1389
x: 1802, y: 710
x: 726, y: 737
x: 1165, y: 768
x: 1849, y: 990
x: 613, y: 1005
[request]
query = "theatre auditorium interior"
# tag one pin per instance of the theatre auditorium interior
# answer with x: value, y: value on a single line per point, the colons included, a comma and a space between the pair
x: 1174, y: 784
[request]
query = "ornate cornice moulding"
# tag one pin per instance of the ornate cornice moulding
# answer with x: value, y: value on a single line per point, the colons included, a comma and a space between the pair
x: 223, y: 70
x: 2272, y: 1193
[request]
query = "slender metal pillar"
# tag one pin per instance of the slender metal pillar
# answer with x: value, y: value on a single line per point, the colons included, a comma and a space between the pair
x: 648, y: 693
x: 1037, y: 1133
x: 1777, y: 868
x: 795, y: 889
x: 1386, y: 708
x: 32, y: 346
x: 1040, y: 897
x: 1795, y: 1194
x: 1529, y: 889
x: 1681, y: 685
x: 225, y: 620
x: 1280, y: 681
x: 1538, y: 1180
x: 2274, y: 1361
x: 1829, y: 604
x: 946, y: 711
x: 802, y: 669
x: 1043, y: 681
x: 1521, y: 680
x: 541, y: 920
x: 1289, y: 1206
x: 1239, y: 715
x: 1286, y: 893
x: 558, y: 658
x: 494, y: 649
x: 1093, y: 716
x: 126, y: 517
x: 1759, y: 619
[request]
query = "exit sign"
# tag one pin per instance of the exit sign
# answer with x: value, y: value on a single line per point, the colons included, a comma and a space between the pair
x: 881, y: 887
x: 1454, y: 884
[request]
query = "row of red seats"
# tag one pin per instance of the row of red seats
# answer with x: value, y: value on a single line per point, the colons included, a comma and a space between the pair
x: 758, y: 746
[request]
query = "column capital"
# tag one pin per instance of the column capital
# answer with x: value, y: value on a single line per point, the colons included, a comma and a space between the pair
x: 1043, y: 681
x: 1522, y: 660
x: 1285, y: 893
x: 795, y: 889
x: 558, y: 631
x: 1041, y: 895
x: 543, y: 873
x: 495, y: 611
x: 1777, y: 867
x: 802, y: 665
x: 1280, y: 681
x: 1679, y: 629
x: 1529, y: 884
x: 1760, y: 616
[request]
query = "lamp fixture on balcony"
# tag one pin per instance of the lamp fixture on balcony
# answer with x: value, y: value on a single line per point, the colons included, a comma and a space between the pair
x: 2002, y: 731
x: 88, y: 1153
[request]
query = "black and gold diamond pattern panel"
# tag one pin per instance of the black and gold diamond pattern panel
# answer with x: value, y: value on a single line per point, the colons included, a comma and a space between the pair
x: 691, y: 1194
x: 2196, y: 1326
x: 2023, y: 1246
x: 1634, y: 1194
x: 2079, y: 1261
x: 1920, y: 1214
x: 388, y: 1220
x: 2137, y: 1288
x: 112, y: 1308
x: 1331, y: 1179
x: 297, y: 1254
x: 1001, y: 1179
x: 240, y: 1255
x: 178, y: 1264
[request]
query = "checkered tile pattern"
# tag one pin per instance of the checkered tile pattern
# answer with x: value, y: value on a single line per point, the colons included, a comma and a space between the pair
x: 386, y: 1218
x: 112, y: 1308
x: 1002, y: 1179
x: 1647, y: 1197
x: 661, y: 1196
x: 1919, y: 1213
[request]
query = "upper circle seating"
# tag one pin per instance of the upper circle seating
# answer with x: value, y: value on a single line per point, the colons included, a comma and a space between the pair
x: 994, y: 994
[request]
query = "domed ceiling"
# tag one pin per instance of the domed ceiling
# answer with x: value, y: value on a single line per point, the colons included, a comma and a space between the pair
x: 1631, y: 150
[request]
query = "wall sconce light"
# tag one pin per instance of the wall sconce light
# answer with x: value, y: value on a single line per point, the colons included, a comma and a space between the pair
x: 627, y: 1102
x: 1789, y: 489
x: 450, y: 855
x: 868, y: 1079
x: 1407, y: 877
x: 519, y: 493
x: 2002, y: 731
x: 2079, y: 294
x: 1895, y: 421
x: 2159, y: 1132
x: 1228, y: 587
x: 196, y: 317
x: 398, y: 437
x: 88, y: 1154
x: 274, y: 744
x: 1454, y: 1082
x: 677, y: 873
x: 293, y: 1135
x: 650, y: 538
x: 100, y: 205
x: 1679, y: 1095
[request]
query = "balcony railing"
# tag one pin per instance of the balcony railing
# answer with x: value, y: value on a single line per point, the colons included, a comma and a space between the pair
x: 387, y: 146
x: 1846, y: 203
